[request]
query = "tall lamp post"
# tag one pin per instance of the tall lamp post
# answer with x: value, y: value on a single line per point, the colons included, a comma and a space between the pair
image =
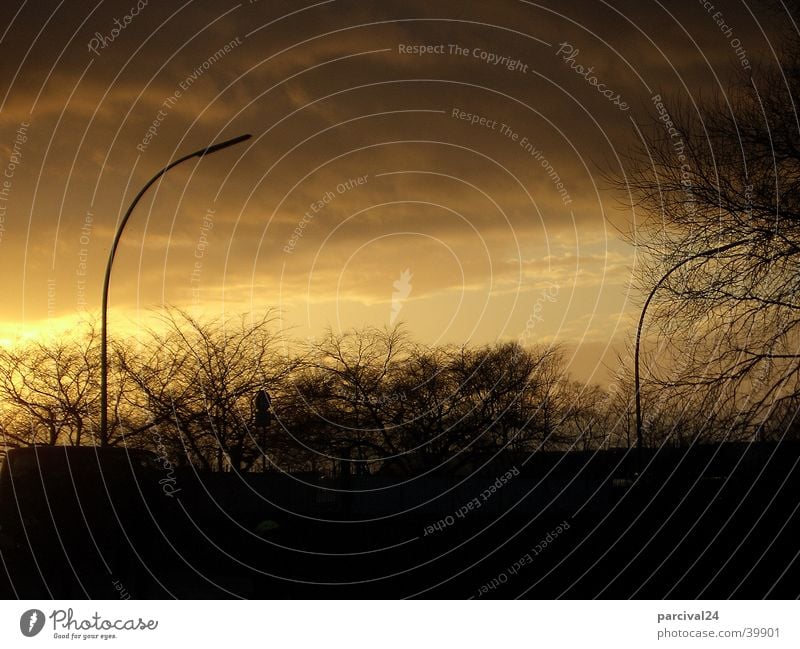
x: 104, y: 327
x: 636, y: 378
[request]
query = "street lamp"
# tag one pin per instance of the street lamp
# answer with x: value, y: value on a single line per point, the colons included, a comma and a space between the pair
x: 104, y: 327
x: 637, y: 385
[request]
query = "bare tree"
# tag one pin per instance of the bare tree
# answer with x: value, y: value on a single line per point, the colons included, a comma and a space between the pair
x: 586, y: 416
x: 369, y: 398
x: 351, y: 402
x: 716, y: 187
x: 461, y: 404
x: 199, y: 379
x: 344, y: 397
x: 511, y: 394
x: 50, y: 392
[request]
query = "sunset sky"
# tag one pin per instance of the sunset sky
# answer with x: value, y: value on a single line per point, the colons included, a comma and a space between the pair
x: 444, y: 163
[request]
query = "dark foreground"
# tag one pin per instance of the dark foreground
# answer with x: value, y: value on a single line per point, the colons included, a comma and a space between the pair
x: 709, y: 522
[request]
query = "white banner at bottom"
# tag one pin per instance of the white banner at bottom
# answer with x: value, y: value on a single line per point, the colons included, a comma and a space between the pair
x: 400, y: 624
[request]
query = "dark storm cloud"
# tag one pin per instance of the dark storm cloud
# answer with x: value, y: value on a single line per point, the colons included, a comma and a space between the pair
x: 334, y: 91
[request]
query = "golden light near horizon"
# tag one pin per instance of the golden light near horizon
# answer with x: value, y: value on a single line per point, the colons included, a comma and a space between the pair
x: 438, y: 167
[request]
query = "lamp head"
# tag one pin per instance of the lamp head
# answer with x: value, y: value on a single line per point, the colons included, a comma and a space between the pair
x: 223, y: 145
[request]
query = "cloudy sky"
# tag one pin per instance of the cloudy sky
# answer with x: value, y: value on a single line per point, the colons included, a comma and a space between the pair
x: 443, y: 164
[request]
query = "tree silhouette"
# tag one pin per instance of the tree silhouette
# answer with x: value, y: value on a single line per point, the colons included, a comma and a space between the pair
x: 725, y: 173
x: 50, y: 392
x: 198, y: 379
x: 351, y: 403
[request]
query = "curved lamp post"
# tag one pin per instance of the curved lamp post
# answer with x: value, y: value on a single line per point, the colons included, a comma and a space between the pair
x: 637, y: 385
x: 104, y: 338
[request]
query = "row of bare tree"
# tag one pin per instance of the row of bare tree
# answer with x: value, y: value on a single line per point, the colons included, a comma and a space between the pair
x: 360, y: 401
